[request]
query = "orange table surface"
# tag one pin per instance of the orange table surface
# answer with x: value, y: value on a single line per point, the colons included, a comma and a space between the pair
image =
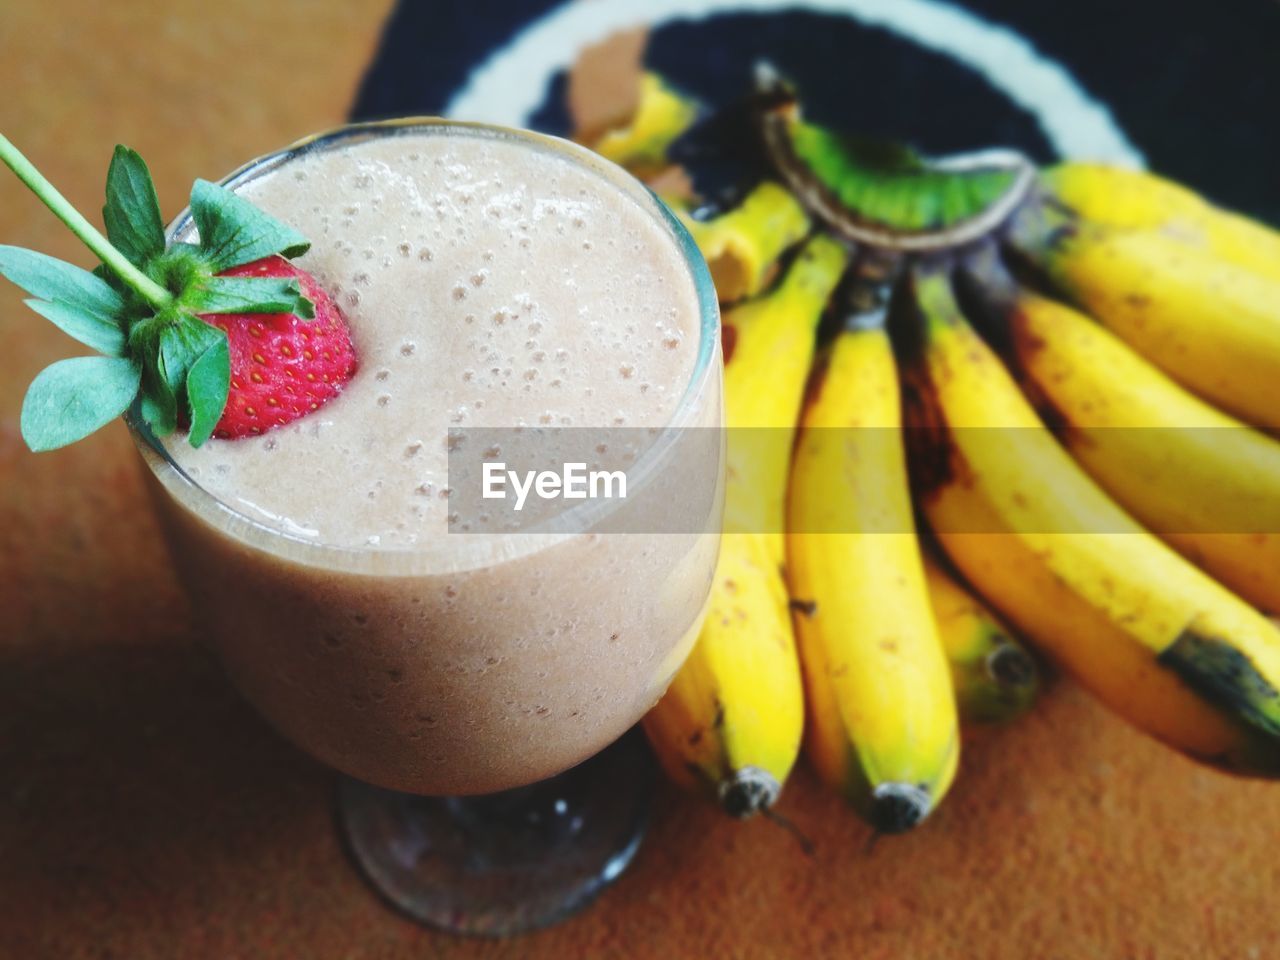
x: 145, y: 811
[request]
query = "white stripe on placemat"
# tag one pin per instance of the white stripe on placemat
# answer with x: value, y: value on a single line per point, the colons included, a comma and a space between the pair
x: 511, y: 83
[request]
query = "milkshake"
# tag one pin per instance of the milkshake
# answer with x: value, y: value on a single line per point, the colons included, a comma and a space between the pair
x: 492, y: 281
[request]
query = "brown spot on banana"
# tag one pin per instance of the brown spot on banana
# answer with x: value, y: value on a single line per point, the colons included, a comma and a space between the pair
x: 728, y: 341
x: 926, y: 436
x: 806, y: 607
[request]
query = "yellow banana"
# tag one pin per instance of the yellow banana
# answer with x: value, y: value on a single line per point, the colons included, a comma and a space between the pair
x: 995, y: 678
x: 768, y: 349
x: 1149, y: 634
x: 1139, y: 200
x: 1211, y: 325
x: 882, y: 714
x: 731, y: 722
x: 1208, y: 484
x: 662, y: 114
x: 742, y: 245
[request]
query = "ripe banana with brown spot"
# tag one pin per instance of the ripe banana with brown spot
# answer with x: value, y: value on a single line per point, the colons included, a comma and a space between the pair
x: 1212, y: 325
x: 732, y: 720
x: 1141, y: 200
x: 1206, y: 483
x: 1153, y: 637
x: 883, y: 728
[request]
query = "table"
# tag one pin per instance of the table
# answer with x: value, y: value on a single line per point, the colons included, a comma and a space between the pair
x: 145, y: 811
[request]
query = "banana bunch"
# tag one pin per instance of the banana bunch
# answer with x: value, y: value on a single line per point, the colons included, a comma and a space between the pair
x: 1047, y: 399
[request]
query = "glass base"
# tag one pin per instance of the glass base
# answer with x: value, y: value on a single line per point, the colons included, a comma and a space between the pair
x: 509, y: 862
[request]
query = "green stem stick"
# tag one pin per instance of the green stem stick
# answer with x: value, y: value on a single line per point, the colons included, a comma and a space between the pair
x: 145, y: 287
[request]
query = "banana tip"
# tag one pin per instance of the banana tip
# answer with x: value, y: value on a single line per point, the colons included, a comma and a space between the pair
x: 749, y: 791
x: 1011, y: 666
x: 897, y: 807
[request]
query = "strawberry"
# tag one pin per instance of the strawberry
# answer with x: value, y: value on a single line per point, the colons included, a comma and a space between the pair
x: 223, y: 337
x: 282, y: 367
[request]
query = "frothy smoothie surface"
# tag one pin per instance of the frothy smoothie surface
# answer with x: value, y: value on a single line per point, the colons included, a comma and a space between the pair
x: 486, y: 285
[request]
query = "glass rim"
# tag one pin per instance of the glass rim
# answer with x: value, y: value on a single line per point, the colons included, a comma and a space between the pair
x: 461, y: 550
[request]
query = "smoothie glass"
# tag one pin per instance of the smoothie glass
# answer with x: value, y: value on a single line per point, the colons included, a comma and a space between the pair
x: 455, y: 683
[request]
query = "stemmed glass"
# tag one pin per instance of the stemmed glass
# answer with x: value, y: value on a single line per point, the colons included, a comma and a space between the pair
x: 466, y: 711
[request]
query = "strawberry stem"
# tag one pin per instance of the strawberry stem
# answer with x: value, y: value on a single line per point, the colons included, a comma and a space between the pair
x: 48, y: 194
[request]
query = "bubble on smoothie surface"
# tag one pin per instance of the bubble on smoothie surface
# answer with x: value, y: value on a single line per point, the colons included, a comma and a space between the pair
x: 485, y: 283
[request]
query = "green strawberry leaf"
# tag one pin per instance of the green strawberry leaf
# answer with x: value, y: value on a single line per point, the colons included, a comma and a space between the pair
x: 49, y: 278
x: 249, y: 295
x: 159, y: 410
x: 132, y: 211
x: 208, y: 381
x: 195, y: 367
x: 181, y: 344
x: 73, y: 398
x: 107, y: 276
x: 233, y: 231
x: 100, y: 331
x: 158, y: 404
